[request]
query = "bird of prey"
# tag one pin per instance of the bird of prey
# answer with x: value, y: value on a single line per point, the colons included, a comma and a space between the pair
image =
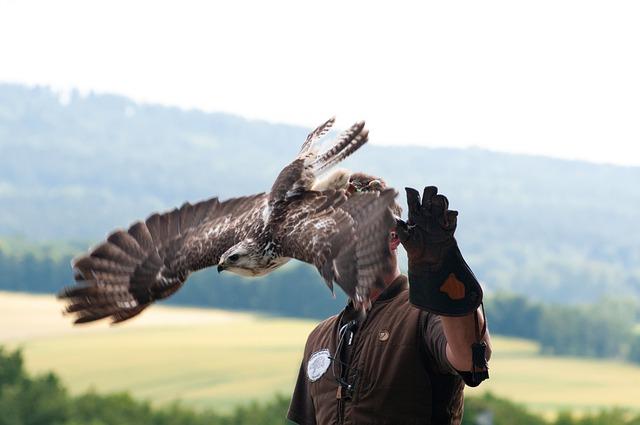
x: 345, y: 235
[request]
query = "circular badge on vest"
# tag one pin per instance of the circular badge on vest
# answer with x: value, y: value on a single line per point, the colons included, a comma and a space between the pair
x: 383, y: 335
x: 318, y: 364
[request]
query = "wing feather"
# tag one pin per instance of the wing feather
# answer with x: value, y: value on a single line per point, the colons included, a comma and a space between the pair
x: 317, y: 134
x: 347, y: 239
x: 152, y: 259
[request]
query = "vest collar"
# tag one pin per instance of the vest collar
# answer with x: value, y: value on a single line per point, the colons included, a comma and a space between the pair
x: 398, y: 285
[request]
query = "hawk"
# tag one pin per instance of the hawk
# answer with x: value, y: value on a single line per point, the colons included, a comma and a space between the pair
x: 321, y: 222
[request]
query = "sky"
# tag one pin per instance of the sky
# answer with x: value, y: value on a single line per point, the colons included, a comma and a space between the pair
x: 556, y: 78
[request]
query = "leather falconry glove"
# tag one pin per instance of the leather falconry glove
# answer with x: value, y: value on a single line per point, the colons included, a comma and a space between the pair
x: 440, y: 280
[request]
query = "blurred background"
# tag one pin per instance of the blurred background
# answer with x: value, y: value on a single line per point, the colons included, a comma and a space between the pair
x: 524, y: 114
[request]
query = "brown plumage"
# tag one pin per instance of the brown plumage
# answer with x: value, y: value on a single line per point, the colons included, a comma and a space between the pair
x: 344, y: 235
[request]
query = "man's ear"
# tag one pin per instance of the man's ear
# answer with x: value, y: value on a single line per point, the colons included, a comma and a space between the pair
x: 394, y: 240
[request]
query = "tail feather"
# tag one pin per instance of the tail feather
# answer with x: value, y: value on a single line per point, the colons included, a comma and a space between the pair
x: 348, y: 142
x: 317, y: 134
x: 350, y: 148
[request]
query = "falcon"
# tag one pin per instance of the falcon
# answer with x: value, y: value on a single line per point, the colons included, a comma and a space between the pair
x: 343, y: 233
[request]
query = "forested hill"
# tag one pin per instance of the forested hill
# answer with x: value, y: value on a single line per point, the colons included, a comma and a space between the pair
x: 75, y: 169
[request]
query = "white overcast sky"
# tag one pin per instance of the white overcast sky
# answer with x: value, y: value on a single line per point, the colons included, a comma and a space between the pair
x: 558, y: 78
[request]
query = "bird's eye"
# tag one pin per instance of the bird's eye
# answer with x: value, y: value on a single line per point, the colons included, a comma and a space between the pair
x: 234, y: 257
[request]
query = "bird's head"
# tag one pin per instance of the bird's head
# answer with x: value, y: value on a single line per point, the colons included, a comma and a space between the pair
x: 242, y: 258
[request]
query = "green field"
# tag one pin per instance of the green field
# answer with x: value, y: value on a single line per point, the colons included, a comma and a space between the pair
x: 213, y: 358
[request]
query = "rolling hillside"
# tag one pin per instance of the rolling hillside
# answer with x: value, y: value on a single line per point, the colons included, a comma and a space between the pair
x: 73, y: 170
x: 215, y: 358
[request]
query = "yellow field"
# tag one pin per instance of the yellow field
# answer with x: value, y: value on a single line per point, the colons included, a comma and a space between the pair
x: 550, y: 384
x: 213, y: 358
x: 208, y: 358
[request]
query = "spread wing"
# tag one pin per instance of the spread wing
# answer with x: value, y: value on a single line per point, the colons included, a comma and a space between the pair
x: 346, y: 238
x: 152, y: 259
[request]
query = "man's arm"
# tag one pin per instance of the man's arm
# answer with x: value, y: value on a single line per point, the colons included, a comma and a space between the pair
x: 461, y: 335
x: 442, y: 283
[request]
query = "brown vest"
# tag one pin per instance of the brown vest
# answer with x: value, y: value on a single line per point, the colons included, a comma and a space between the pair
x: 394, y: 380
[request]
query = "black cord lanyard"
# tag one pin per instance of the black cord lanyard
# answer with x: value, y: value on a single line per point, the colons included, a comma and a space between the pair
x: 345, y: 388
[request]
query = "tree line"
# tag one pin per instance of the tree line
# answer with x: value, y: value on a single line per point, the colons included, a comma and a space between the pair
x: 605, y: 330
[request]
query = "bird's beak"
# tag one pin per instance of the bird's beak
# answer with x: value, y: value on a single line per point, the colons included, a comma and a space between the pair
x: 220, y: 267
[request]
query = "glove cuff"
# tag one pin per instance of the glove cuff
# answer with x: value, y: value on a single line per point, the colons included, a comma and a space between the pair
x: 451, y: 290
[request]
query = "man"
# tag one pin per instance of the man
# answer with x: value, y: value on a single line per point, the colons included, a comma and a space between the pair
x: 423, y: 338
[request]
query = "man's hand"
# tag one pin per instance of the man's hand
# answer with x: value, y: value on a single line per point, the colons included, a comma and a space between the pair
x: 441, y: 281
x: 428, y: 234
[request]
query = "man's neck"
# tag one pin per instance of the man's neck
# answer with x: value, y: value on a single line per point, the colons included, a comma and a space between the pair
x: 387, y: 279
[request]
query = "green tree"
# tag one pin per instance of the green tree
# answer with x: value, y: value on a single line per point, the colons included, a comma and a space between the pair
x: 29, y: 401
x: 497, y: 411
x: 634, y: 349
x: 514, y: 315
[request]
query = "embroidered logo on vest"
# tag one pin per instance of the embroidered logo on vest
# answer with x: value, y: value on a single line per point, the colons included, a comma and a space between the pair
x: 318, y: 364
